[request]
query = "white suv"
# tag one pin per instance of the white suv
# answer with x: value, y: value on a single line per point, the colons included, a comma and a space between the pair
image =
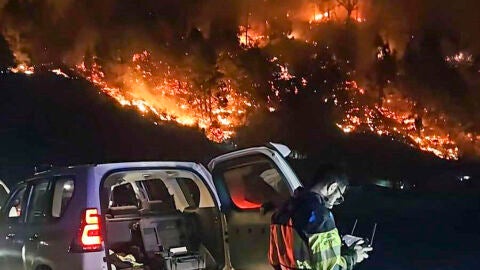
x: 148, y: 215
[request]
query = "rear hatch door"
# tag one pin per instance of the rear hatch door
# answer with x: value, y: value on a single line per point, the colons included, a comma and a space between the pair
x: 251, y: 184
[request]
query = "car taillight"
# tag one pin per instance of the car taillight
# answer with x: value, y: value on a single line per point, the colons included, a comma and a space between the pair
x: 89, y: 236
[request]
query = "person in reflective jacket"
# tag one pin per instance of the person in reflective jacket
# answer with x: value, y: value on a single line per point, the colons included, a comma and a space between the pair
x: 303, y: 234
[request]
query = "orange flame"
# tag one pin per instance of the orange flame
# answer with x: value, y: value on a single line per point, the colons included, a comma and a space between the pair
x: 397, y: 117
x: 251, y: 37
x: 23, y: 68
x: 152, y: 90
x: 320, y: 17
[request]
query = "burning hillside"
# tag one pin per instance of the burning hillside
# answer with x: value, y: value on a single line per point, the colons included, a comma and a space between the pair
x: 158, y: 94
x: 212, y: 73
x: 397, y: 117
x: 151, y: 87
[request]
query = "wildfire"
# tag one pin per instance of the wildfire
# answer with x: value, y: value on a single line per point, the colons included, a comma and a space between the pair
x: 202, y: 91
x: 284, y: 74
x: 397, y: 117
x: 320, y: 17
x: 360, y: 19
x: 23, y: 68
x: 151, y: 88
x: 334, y: 14
x: 250, y: 37
x: 59, y: 72
x: 460, y: 59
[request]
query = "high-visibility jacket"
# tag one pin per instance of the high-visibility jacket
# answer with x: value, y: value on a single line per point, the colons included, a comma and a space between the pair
x: 303, y: 235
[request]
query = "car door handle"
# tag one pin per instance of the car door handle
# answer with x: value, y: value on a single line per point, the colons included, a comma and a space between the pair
x: 34, y: 237
x: 10, y: 236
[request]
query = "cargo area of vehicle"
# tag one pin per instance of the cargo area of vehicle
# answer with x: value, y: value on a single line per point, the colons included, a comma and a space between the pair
x: 160, y: 219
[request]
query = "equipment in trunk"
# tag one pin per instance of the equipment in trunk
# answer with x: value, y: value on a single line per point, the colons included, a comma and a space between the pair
x: 152, y: 229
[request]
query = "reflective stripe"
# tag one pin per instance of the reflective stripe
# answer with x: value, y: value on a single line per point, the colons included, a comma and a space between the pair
x: 287, y: 248
x: 326, y: 250
x: 319, y: 242
x: 326, y: 254
x: 273, y: 250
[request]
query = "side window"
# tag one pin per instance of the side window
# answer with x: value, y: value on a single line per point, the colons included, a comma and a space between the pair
x: 39, y: 202
x: 123, y: 195
x: 190, y: 190
x: 254, y: 181
x: 62, y: 194
x: 157, y: 192
x: 15, y: 209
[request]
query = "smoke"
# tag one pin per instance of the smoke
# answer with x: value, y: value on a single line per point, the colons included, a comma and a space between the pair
x: 190, y: 35
x: 65, y: 30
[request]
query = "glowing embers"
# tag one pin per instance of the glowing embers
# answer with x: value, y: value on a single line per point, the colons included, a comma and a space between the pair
x: 250, y: 37
x: 59, y: 72
x: 320, y: 17
x: 335, y: 14
x: 460, y: 59
x: 29, y: 70
x: 153, y: 88
x: 396, y: 116
x: 23, y: 68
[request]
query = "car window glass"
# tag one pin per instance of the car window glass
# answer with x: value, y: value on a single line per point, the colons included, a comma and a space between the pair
x: 254, y: 181
x: 39, y: 202
x: 190, y: 190
x: 62, y: 194
x: 123, y: 195
x: 158, y: 192
x: 15, y: 208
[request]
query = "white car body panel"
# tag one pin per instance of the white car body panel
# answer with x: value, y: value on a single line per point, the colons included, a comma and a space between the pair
x: 275, y: 155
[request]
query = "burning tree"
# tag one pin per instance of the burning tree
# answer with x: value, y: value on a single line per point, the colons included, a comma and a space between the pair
x: 384, y: 67
x: 316, y: 7
x: 323, y: 10
x: 349, y: 5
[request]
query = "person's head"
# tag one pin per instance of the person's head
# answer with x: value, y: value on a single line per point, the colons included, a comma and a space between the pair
x: 330, y: 183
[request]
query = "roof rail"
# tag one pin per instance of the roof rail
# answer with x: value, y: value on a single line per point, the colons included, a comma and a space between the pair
x: 42, y: 168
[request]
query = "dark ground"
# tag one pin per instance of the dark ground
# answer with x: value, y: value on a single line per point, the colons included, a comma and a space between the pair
x: 416, y: 230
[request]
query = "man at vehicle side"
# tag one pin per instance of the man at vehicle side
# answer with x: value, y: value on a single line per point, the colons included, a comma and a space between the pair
x: 303, y: 234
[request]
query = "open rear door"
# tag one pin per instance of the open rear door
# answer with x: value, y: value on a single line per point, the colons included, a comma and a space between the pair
x: 251, y: 184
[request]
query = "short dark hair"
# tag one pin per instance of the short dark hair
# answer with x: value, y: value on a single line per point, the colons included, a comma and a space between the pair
x: 328, y: 174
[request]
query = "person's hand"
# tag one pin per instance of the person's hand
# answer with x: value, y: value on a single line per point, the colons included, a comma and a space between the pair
x: 361, y: 251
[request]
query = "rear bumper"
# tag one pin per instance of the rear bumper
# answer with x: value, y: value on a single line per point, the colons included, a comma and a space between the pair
x: 76, y: 261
